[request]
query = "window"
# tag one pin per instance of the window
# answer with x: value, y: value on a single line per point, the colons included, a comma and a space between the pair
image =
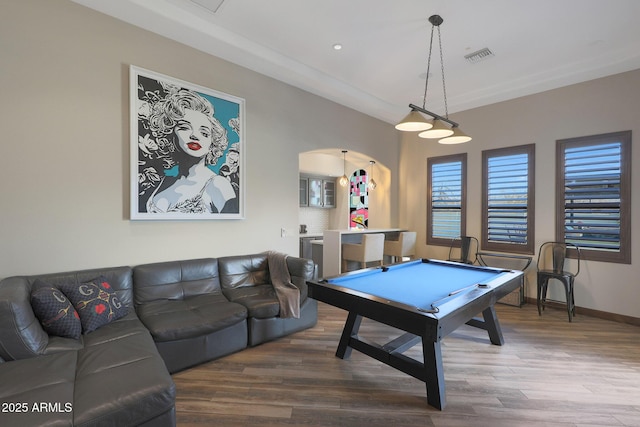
x: 508, y: 188
x: 593, y: 195
x: 446, y: 201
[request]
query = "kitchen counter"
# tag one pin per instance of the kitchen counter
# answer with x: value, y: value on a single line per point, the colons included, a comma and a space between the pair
x: 311, y: 235
x: 332, y: 247
x: 305, y: 243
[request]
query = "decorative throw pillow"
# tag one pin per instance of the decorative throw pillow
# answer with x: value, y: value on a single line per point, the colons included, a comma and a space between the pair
x: 54, y: 311
x: 96, y: 303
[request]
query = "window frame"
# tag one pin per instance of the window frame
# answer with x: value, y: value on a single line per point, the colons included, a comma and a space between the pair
x: 529, y: 247
x: 623, y: 256
x: 462, y: 158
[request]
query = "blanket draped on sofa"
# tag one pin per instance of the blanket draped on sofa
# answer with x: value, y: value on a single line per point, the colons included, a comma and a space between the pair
x: 288, y: 294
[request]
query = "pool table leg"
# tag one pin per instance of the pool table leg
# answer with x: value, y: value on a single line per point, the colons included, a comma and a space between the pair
x: 493, y: 326
x: 490, y: 324
x: 351, y: 328
x: 434, y: 373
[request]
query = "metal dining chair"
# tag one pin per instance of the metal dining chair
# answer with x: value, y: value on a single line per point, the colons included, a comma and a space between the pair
x: 552, y: 257
x: 468, y: 246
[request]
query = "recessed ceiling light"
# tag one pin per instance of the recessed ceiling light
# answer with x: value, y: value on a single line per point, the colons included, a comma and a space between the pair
x: 337, y: 46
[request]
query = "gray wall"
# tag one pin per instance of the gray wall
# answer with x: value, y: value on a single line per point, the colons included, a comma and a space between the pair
x: 64, y: 179
x: 599, y: 106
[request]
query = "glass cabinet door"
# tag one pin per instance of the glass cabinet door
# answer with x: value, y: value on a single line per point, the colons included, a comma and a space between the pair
x: 329, y: 194
x: 304, y: 191
x: 315, y: 192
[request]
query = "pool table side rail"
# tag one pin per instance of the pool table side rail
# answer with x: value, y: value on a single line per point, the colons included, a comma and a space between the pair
x: 498, y: 286
x: 468, y: 311
x: 397, y: 315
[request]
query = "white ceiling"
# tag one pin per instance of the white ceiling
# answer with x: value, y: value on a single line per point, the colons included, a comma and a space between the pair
x: 537, y: 45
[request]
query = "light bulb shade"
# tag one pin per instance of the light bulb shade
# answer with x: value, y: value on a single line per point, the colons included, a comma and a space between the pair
x: 458, y: 137
x: 372, y: 184
x: 414, y: 122
x: 439, y: 130
x: 344, y: 180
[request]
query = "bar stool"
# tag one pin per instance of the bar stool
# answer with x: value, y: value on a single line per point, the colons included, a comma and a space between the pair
x: 371, y: 249
x: 405, y: 246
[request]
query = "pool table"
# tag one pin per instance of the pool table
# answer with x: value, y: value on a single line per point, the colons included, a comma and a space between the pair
x: 427, y: 299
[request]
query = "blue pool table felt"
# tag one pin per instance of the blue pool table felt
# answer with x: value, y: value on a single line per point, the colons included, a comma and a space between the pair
x: 416, y: 283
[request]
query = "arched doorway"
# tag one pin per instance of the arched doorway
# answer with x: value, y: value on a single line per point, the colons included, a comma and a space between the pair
x: 329, y: 162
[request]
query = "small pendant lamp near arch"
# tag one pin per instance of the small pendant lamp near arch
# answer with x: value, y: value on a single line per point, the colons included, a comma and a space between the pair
x: 344, y: 179
x: 372, y: 184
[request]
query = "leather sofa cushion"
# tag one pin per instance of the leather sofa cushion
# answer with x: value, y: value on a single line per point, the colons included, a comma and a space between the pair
x: 120, y: 374
x: 39, y: 379
x: 58, y: 344
x: 117, y: 378
x: 243, y: 270
x: 175, y: 280
x: 246, y: 279
x: 170, y: 320
x: 128, y: 325
x: 251, y: 270
x: 260, y: 300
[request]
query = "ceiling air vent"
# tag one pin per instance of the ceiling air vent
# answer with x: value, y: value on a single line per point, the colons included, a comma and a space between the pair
x: 211, y: 5
x: 479, y: 55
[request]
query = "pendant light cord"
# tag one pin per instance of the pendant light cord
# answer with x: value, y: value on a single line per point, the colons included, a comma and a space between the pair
x: 426, y: 83
x: 444, y: 86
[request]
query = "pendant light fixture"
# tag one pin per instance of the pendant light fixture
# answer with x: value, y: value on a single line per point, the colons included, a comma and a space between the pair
x: 344, y: 179
x: 458, y: 137
x: 439, y: 127
x: 372, y: 183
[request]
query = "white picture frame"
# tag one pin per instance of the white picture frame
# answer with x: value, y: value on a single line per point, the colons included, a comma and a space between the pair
x: 187, y: 150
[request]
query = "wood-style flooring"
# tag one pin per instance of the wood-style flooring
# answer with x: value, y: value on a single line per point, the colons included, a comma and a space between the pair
x: 549, y: 373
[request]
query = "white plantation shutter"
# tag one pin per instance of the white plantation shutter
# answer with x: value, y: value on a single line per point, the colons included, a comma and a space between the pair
x: 446, y: 203
x: 446, y: 199
x: 593, y: 195
x: 508, y: 199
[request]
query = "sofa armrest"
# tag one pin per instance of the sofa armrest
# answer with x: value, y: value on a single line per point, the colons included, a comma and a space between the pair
x: 301, y: 270
x: 21, y: 335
